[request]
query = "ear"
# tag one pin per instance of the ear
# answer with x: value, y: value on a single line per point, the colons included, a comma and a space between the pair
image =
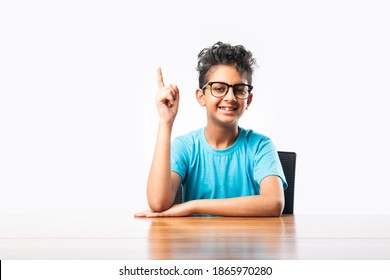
x: 200, y: 97
x: 249, y: 100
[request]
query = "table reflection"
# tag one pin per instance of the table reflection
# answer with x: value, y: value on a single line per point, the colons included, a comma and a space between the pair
x: 222, y: 238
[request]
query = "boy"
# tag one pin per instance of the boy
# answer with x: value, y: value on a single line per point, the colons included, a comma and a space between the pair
x: 225, y: 169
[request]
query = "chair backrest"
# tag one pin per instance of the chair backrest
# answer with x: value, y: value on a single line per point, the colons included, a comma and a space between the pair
x: 288, y: 160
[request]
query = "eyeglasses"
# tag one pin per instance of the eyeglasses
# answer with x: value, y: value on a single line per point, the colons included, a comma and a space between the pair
x: 220, y: 89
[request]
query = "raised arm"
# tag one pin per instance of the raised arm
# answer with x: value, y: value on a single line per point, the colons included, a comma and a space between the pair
x: 162, y: 183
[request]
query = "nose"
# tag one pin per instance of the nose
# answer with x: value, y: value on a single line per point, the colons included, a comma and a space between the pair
x: 229, y: 96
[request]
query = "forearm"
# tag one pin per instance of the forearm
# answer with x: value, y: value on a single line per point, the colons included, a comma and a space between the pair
x: 257, y: 205
x: 159, y: 188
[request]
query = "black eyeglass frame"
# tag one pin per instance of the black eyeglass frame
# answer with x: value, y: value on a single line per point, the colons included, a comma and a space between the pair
x: 228, y: 86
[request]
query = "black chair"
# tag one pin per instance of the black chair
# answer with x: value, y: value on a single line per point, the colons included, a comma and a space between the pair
x: 288, y: 160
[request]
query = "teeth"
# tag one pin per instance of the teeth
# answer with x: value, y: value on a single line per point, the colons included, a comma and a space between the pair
x: 227, y: 109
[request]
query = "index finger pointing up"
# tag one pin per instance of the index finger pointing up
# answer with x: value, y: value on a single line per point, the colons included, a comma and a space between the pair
x: 160, y: 81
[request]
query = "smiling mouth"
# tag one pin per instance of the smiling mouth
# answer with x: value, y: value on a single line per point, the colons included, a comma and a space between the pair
x: 227, y: 108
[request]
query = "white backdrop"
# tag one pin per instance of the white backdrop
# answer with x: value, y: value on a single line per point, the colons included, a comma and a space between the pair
x: 77, y: 84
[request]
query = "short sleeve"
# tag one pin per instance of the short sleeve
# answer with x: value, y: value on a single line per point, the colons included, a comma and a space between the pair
x: 179, y: 157
x: 267, y: 162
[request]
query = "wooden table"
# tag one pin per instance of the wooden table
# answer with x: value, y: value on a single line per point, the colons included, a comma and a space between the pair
x: 116, y: 237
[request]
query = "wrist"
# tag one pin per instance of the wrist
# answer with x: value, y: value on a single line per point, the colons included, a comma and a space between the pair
x: 165, y: 122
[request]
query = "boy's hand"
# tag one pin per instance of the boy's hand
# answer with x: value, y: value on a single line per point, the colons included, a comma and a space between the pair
x: 177, y: 210
x: 167, y: 99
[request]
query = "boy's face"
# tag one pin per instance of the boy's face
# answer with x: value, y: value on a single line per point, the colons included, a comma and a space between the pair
x: 226, y: 110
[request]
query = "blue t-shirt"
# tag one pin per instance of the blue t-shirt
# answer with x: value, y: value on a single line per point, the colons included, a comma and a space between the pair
x: 208, y: 173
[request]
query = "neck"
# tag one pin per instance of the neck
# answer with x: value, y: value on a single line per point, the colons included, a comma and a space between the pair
x: 221, y: 137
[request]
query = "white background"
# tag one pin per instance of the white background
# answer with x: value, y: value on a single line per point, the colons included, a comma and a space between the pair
x: 78, y: 78
x: 109, y: 269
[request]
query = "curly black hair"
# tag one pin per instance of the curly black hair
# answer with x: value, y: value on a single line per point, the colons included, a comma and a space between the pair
x: 225, y: 54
